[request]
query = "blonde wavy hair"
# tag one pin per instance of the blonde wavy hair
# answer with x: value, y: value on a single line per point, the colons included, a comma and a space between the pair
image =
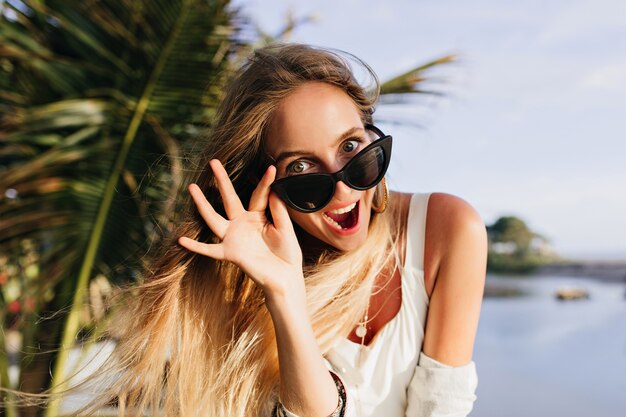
x: 200, y: 341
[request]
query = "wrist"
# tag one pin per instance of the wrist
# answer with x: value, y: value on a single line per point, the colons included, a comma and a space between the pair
x: 287, y: 294
x: 286, y: 303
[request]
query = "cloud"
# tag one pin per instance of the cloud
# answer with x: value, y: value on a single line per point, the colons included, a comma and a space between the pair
x: 585, y: 18
x: 609, y: 77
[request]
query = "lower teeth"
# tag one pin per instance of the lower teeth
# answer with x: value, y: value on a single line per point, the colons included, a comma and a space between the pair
x: 334, y: 223
x: 339, y: 226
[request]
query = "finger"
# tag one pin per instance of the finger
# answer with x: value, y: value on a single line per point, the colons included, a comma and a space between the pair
x: 212, y: 250
x: 260, y: 196
x: 280, y: 215
x: 213, y: 219
x: 232, y: 203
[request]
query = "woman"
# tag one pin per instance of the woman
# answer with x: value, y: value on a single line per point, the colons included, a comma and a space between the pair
x: 300, y: 285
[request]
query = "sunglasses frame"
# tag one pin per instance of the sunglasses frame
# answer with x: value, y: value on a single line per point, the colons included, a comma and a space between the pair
x: 384, y: 142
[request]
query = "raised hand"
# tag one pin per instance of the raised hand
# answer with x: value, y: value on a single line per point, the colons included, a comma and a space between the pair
x: 270, y: 254
x: 267, y: 252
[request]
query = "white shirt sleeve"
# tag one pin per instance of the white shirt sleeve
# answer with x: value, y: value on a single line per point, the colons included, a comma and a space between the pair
x: 438, y: 390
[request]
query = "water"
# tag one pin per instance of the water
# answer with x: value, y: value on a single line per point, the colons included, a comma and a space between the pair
x: 538, y: 356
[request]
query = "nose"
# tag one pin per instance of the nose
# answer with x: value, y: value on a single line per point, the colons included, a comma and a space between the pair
x: 342, y: 191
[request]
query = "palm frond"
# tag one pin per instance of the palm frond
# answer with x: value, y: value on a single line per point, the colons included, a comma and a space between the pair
x: 96, y: 101
x: 413, y: 81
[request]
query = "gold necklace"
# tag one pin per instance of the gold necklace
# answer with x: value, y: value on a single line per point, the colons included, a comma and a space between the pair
x: 361, y: 329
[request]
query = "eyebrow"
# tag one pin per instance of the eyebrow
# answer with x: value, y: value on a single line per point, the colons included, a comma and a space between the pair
x: 342, y: 137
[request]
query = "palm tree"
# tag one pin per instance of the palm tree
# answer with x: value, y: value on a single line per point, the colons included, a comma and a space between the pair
x: 93, y: 94
x: 98, y: 103
x: 414, y: 80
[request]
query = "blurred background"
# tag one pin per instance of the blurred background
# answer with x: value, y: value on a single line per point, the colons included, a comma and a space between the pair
x: 517, y: 107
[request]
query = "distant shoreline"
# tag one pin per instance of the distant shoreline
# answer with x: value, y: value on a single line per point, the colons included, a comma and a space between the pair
x: 613, y: 271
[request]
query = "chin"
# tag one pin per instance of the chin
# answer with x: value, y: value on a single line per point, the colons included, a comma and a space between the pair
x: 347, y: 246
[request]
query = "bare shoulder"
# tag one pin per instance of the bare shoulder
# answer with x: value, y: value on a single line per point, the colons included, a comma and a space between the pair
x: 454, y: 232
x: 451, y: 214
x: 454, y: 272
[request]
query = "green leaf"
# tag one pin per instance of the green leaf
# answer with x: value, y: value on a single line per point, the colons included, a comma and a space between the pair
x: 413, y: 80
x: 98, y: 99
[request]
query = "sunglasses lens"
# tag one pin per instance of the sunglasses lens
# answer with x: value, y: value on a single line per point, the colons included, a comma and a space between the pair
x: 310, y: 193
x: 366, y: 170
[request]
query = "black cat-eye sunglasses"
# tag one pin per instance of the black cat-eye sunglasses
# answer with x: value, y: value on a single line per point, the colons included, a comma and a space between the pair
x: 311, y: 192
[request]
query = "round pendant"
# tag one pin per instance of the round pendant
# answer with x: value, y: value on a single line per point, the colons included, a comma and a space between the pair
x: 361, y: 331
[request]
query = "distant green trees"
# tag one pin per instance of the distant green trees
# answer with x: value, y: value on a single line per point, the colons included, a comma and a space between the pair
x: 514, y: 247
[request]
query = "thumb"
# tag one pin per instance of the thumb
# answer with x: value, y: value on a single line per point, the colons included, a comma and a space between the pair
x: 280, y: 215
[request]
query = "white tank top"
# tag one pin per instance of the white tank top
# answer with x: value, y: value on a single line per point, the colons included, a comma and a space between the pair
x: 376, y: 377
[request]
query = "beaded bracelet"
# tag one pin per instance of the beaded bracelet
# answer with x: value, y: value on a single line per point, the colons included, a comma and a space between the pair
x: 281, y: 411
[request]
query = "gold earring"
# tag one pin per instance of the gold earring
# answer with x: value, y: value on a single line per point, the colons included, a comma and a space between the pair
x: 383, y: 206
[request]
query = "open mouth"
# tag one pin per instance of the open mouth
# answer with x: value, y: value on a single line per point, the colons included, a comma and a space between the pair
x: 344, y: 218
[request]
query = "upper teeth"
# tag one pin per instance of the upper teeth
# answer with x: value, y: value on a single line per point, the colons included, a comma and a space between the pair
x: 343, y: 210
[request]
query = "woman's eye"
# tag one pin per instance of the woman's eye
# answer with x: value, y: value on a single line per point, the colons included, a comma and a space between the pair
x: 297, y: 167
x: 350, y: 145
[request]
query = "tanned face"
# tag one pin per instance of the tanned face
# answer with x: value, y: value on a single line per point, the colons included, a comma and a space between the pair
x: 318, y: 128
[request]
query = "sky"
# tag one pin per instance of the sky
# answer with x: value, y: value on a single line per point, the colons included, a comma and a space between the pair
x: 533, y: 121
